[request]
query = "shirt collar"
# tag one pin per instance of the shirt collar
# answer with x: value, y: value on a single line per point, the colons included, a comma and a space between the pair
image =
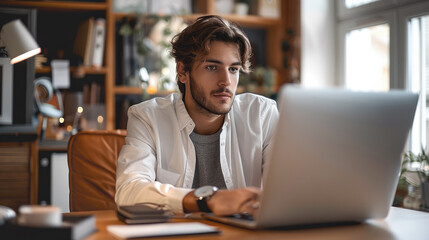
x: 183, y: 115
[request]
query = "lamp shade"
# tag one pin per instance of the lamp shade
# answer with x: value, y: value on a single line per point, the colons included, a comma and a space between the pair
x: 18, y: 41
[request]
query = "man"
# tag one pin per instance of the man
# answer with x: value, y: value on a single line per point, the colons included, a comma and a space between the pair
x: 205, y: 136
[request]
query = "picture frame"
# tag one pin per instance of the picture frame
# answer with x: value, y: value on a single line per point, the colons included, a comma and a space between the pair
x: 6, y: 90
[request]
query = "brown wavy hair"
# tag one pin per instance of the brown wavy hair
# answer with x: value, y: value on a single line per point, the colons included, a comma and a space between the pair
x: 194, y: 42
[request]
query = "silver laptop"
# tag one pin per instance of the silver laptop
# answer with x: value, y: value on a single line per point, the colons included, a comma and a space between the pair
x: 336, y: 157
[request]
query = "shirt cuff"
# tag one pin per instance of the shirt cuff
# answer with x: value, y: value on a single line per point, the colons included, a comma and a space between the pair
x: 176, y: 199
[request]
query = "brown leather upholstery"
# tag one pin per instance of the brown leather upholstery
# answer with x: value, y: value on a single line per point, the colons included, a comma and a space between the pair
x: 92, y: 157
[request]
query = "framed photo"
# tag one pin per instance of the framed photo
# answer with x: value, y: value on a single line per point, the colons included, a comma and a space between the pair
x: 6, y: 90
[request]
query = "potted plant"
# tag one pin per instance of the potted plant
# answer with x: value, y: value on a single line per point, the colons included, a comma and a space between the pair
x: 415, y: 178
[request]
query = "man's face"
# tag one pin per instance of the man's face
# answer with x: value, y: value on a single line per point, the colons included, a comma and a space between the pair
x: 211, y: 85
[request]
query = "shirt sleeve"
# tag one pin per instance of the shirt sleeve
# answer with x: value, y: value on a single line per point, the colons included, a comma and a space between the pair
x: 136, y: 169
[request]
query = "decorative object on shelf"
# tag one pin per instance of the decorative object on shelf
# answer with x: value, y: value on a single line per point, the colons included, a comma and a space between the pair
x: 162, y: 7
x: 43, y: 92
x: 269, y: 8
x: 130, y: 6
x: 224, y: 6
x: 414, y: 178
x: 18, y: 41
x: 241, y: 8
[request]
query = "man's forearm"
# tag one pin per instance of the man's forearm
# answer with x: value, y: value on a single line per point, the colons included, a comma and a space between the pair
x: 190, y: 203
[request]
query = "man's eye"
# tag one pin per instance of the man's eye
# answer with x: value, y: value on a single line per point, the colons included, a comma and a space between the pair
x: 234, y: 69
x: 211, y: 68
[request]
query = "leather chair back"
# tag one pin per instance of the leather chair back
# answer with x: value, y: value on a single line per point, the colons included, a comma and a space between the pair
x: 92, y: 157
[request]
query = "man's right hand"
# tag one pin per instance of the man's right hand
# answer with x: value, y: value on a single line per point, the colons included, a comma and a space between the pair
x: 227, y: 202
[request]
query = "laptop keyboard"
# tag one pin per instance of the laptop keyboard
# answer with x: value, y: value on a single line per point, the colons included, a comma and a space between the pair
x: 242, y: 216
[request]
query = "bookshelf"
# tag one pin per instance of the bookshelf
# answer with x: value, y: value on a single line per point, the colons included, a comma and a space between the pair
x: 278, y: 30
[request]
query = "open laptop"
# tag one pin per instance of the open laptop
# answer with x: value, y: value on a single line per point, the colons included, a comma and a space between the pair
x: 336, y: 157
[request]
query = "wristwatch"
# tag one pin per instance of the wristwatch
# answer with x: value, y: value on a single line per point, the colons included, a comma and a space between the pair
x: 202, y: 194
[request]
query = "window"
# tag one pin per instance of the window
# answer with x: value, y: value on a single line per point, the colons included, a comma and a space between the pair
x: 367, y: 58
x: 387, y: 49
x: 365, y: 52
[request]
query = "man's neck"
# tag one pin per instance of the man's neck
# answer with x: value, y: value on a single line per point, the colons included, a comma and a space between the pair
x: 206, y: 124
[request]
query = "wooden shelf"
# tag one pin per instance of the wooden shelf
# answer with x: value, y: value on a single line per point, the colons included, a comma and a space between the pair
x: 55, y: 5
x: 127, y: 90
x: 87, y: 70
x: 249, y: 20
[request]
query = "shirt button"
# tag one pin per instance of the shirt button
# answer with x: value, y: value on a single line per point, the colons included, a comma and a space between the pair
x: 228, y: 180
x: 222, y: 143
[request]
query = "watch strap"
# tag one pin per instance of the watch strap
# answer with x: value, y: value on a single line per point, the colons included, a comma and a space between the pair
x: 202, y: 205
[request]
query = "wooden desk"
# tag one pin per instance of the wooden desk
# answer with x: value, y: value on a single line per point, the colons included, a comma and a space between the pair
x: 400, y: 224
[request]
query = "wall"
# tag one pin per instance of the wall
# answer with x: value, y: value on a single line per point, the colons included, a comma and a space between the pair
x: 318, y: 43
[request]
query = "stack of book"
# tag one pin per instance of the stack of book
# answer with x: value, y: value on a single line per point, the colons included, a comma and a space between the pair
x: 40, y: 60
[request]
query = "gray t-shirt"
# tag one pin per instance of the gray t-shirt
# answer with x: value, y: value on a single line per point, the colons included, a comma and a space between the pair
x: 207, y: 167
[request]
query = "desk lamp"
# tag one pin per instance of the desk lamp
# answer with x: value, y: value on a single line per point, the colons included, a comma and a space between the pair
x: 17, y: 41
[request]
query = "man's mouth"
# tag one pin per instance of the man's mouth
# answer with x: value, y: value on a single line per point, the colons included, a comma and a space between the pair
x: 222, y: 94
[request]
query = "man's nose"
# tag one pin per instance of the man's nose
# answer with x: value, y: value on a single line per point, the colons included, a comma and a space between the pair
x: 225, y: 78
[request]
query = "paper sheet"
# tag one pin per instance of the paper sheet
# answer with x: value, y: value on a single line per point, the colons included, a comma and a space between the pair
x: 60, y: 73
x: 160, y: 229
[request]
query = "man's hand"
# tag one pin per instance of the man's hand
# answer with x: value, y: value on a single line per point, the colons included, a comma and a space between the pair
x: 227, y: 202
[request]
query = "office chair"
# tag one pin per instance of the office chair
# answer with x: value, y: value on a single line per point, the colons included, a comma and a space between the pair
x: 92, y: 157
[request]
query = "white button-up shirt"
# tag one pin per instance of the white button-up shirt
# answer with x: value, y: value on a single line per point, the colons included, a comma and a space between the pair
x: 157, y: 162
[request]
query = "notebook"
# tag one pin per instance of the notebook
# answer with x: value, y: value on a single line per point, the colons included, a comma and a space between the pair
x: 336, y: 157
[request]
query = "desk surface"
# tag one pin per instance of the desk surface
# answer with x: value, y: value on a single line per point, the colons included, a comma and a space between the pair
x: 400, y: 224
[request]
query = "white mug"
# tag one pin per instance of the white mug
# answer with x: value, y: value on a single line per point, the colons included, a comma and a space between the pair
x: 35, y: 215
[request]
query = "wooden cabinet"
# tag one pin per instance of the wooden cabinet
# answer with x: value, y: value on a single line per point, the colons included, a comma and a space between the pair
x: 18, y: 167
x: 282, y: 38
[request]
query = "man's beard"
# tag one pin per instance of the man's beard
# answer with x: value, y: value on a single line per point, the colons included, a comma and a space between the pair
x: 201, y: 100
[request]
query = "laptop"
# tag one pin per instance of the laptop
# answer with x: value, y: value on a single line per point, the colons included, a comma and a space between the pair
x: 336, y: 157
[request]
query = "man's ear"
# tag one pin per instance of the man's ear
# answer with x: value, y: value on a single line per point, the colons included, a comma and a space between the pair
x: 180, y: 68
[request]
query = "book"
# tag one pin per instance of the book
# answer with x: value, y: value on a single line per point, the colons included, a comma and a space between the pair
x: 83, y: 41
x: 98, y: 40
x: 72, y: 227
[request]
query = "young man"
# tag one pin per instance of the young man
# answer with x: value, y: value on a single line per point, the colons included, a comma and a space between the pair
x: 204, y: 138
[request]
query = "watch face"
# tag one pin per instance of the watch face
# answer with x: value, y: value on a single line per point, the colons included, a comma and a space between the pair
x: 205, y: 191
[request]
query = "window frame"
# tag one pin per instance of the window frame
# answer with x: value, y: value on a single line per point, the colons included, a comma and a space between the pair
x: 344, y: 13
x: 346, y: 26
